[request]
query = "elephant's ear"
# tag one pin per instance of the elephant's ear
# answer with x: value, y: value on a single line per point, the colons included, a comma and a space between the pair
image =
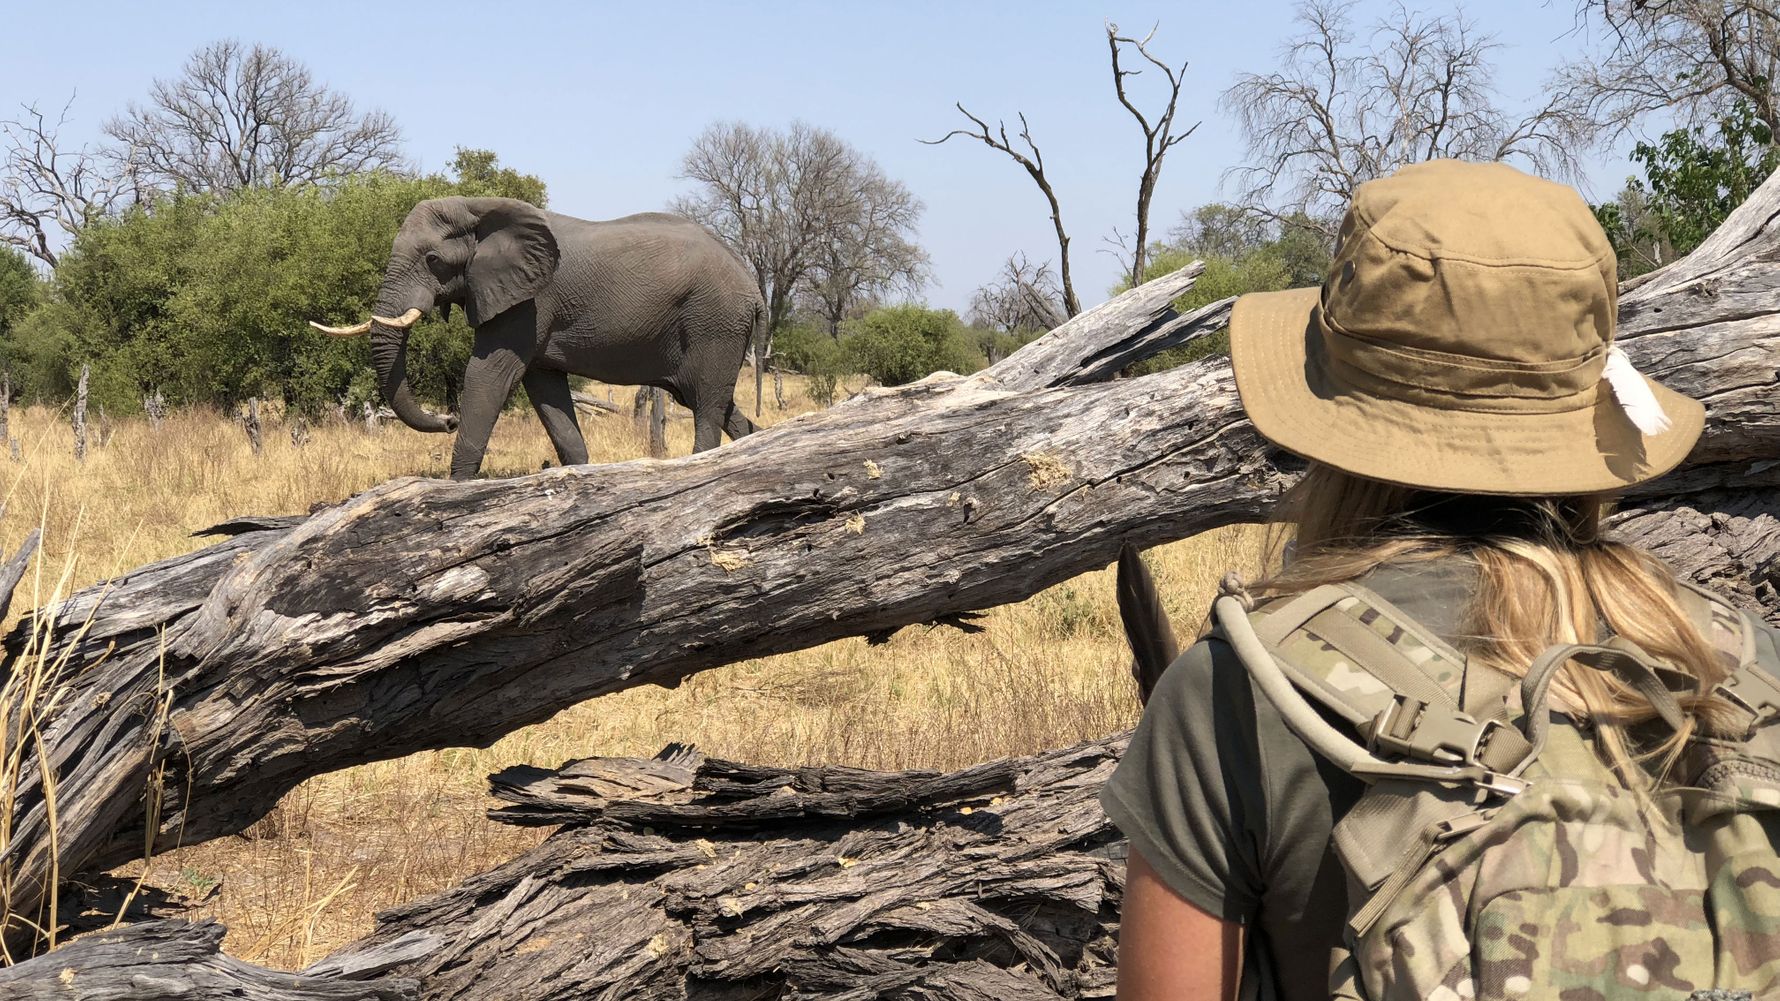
x: 515, y: 255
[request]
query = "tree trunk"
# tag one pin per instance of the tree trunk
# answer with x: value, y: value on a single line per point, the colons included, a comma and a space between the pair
x: 5, y: 403
x: 250, y: 421
x: 658, y: 422
x: 80, y: 416
x: 427, y: 614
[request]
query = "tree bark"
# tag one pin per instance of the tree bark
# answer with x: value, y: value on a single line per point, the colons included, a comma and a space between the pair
x: 426, y: 614
x: 174, y: 961
x: 80, y: 416
x: 682, y: 877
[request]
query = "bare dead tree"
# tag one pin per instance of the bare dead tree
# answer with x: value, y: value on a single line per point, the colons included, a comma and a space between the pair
x: 1336, y: 115
x: 80, y: 416
x: 801, y: 206
x: 155, y: 406
x: 241, y: 116
x: 658, y: 423
x: 1688, y: 57
x: 1033, y: 162
x: 46, y: 186
x: 869, y: 253
x: 250, y: 422
x: 1023, y: 297
x: 1158, y: 137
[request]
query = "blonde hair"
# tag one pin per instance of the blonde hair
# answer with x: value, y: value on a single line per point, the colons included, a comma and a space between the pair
x: 1545, y: 575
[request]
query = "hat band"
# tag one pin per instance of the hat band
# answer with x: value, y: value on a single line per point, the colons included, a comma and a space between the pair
x: 1448, y: 381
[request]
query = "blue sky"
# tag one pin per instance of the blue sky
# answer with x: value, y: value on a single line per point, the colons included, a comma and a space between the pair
x: 602, y: 99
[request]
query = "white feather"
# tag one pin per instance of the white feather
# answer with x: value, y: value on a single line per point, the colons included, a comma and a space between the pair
x: 1633, y: 394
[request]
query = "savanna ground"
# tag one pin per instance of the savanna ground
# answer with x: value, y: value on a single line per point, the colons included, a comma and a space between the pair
x: 1046, y: 672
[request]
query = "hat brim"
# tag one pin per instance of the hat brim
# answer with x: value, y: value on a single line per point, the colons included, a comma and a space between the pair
x: 1299, y: 407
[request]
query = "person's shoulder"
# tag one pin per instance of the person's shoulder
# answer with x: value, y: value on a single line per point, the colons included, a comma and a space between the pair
x: 1207, y: 680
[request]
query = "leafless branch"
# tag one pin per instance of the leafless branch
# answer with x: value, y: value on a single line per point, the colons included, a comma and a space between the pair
x: 1688, y: 57
x: 1034, y: 165
x: 1022, y: 298
x: 243, y: 116
x: 809, y: 213
x: 46, y: 188
x: 1158, y: 138
x: 1339, y: 113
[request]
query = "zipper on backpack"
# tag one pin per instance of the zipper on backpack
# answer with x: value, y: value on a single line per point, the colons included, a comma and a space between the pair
x: 1432, y: 839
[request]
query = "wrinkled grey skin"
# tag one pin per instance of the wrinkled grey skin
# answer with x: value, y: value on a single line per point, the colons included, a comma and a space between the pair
x: 646, y: 300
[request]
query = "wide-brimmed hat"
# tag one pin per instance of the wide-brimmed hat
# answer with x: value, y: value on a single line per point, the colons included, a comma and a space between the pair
x: 1463, y: 341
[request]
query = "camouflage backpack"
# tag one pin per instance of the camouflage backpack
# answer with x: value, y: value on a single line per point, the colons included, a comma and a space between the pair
x: 1493, y: 855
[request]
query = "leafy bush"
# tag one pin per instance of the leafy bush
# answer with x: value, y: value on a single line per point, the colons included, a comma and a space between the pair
x: 1292, y: 261
x: 900, y: 344
x: 1692, y: 181
x: 995, y: 345
x: 20, y: 289
x: 206, y: 297
x: 813, y: 352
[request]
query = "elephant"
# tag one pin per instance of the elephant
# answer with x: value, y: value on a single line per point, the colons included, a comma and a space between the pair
x: 648, y: 300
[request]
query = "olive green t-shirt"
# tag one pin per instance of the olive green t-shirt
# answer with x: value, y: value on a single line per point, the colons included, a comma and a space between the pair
x: 1235, y: 813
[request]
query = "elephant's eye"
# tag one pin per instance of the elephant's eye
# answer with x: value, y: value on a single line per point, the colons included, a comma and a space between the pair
x: 436, y: 265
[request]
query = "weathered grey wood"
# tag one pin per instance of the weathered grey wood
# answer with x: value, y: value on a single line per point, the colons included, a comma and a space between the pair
x: 250, y: 422
x: 155, y: 407
x: 730, y: 795
x: 697, y: 885
x: 173, y: 961
x: 1079, y: 352
x: 79, y: 418
x: 543, y: 591
x: 425, y: 613
x: 13, y: 570
x: 594, y: 404
x: 658, y: 423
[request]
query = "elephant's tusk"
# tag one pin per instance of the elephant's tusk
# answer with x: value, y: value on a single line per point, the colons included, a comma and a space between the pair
x: 402, y: 322
x: 355, y: 331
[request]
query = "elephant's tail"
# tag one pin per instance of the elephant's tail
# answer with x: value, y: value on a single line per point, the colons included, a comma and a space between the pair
x: 757, y: 337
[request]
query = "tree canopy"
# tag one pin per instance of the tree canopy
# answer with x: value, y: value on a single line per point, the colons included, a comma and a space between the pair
x: 1693, y: 178
x: 205, y: 296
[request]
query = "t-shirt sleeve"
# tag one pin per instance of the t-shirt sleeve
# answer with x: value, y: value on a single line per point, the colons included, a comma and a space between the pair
x: 1189, y: 793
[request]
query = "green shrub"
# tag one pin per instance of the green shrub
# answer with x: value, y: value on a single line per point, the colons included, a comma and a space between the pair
x: 1264, y: 270
x: 812, y: 352
x: 20, y: 289
x: 900, y: 344
x: 207, y: 298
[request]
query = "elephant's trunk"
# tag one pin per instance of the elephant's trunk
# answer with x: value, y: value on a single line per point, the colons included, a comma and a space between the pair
x: 389, y: 356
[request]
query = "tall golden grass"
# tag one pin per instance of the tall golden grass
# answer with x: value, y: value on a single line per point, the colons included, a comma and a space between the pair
x: 1046, y: 672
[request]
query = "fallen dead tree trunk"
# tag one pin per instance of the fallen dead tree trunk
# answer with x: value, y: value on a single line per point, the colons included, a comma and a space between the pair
x: 678, y: 876
x: 683, y: 877
x: 426, y: 614
x: 174, y: 961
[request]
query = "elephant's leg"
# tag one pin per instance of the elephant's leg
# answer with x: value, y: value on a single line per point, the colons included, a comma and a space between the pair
x: 707, y: 426
x: 549, y: 392
x: 504, y: 349
x: 737, y: 423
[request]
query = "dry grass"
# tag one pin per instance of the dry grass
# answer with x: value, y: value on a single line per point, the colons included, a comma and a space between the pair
x: 307, y: 878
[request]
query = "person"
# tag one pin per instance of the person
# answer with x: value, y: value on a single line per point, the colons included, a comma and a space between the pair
x: 1466, y: 416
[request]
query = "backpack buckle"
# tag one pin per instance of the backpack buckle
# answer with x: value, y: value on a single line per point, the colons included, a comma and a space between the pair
x: 1411, y: 728
x: 1754, y: 692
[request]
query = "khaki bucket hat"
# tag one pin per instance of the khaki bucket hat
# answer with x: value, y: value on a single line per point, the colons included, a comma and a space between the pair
x: 1462, y: 342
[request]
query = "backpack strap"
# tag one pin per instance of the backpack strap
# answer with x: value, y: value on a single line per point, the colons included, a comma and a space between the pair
x: 1430, y: 739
